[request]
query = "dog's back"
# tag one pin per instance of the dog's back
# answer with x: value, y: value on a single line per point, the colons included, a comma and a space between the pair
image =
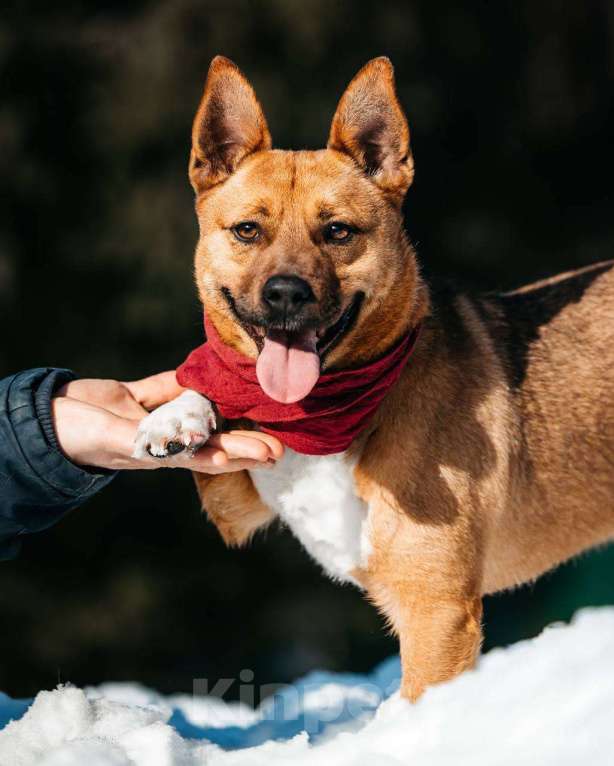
x: 555, y: 340
x: 506, y: 419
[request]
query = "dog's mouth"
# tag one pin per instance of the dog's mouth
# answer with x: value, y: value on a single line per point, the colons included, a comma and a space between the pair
x: 290, y: 361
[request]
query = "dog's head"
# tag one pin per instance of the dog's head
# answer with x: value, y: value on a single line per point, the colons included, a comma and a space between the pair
x: 302, y: 259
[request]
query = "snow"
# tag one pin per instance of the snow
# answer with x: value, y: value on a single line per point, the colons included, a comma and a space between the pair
x: 544, y: 701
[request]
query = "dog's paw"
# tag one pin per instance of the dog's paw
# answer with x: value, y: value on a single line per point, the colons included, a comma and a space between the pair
x: 185, y: 423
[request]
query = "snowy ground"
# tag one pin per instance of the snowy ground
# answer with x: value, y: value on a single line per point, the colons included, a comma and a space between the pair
x: 545, y: 701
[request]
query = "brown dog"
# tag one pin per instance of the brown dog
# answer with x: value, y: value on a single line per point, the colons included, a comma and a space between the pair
x: 490, y: 461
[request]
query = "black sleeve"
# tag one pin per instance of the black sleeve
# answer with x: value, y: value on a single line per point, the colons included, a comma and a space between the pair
x: 38, y: 484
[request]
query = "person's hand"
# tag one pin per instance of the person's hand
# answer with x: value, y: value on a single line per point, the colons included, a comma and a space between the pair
x: 96, y: 421
x: 131, y: 400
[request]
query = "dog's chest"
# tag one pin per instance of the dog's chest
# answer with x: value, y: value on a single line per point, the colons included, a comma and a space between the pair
x: 315, y: 496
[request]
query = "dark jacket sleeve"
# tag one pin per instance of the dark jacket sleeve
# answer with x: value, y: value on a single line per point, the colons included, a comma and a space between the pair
x: 38, y: 484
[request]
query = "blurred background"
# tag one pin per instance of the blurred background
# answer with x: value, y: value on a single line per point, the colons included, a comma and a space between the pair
x: 511, y: 109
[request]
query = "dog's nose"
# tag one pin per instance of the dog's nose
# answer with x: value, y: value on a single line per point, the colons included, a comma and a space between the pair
x: 286, y: 295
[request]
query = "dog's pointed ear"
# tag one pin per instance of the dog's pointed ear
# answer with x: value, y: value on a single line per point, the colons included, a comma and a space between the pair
x: 229, y: 125
x: 370, y: 126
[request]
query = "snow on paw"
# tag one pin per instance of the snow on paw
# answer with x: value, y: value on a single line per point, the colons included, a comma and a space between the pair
x: 185, y: 423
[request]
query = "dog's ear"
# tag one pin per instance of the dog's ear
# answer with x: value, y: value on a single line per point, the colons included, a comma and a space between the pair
x: 370, y: 126
x: 229, y: 125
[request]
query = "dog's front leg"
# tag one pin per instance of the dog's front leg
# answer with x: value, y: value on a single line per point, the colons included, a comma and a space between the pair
x: 230, y: 500
x: 439, y: 638
x: 233, y: 504
x: 424, y: 575
x: 439, y: 633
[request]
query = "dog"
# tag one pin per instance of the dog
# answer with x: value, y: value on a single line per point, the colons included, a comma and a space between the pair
x: 490, y: 457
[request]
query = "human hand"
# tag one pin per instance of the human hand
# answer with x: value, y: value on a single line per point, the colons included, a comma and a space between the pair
x: 96, y: 421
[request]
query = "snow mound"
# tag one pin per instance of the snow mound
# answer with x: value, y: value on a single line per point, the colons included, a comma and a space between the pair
x: 544, y: 701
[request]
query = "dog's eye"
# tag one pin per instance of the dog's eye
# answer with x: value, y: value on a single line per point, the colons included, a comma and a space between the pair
x: 246, y: 231
x: 338, y: 232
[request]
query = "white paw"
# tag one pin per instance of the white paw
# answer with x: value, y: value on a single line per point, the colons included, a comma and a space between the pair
x: 185, y: 423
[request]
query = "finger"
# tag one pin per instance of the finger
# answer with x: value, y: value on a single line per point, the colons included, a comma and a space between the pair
x: 214, y: 461
x: 241, y: 445
x: 273, y: 443
x: 207, y: 456
x: 109, y: 394
x: 275, y: 447
x: 155, y: 390
x: 238, y: 465
x: 210, y: 460
x: 205, y: 459
x: 222, y: 449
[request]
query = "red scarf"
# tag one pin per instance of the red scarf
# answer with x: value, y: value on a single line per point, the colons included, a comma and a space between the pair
x: 326, y: 421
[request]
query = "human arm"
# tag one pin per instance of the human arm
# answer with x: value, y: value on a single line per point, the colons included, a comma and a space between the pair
x: 62, y: 439
x: 38, y: 484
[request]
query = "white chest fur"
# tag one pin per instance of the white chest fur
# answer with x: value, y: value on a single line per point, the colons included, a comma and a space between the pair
x: 316, y: 498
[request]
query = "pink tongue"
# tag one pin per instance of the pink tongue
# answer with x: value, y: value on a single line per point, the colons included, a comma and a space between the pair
x: 288, y: 366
